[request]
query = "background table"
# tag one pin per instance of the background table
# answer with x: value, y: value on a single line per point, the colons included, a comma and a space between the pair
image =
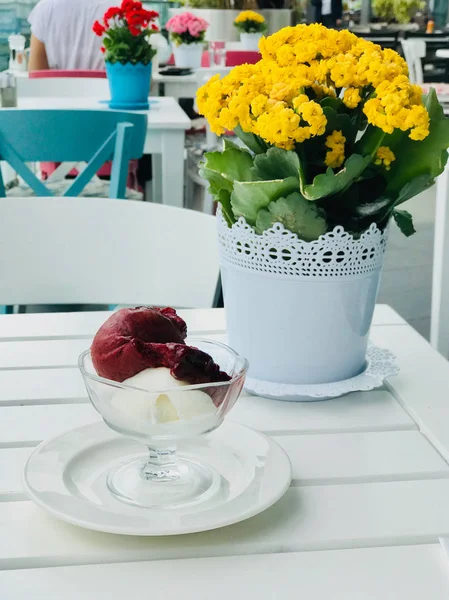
x: 368, y: 501
x: 176, y: 86
x: 167, y: 124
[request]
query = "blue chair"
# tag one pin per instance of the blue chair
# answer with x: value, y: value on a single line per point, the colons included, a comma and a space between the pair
x: 92, y: 136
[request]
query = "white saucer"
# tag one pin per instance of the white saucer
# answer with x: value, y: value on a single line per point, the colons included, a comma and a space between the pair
x: 380, y: 364
x: 66, y: 476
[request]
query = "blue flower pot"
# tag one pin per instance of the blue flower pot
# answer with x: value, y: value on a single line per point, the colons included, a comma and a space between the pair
x: 129, y: 85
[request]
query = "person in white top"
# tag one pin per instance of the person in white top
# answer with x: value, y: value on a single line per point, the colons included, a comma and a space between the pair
x: 328, y: 12
x: 62, y: 36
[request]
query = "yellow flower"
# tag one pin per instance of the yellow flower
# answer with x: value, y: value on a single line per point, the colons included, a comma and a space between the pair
x: 351, y: 97
x: 258, y: 105
x: 249, y: 15
x: 299, y: 100
x: 313, y: 114
x: 336, y: 154
x: 279, y: 98
x: 384, y: 156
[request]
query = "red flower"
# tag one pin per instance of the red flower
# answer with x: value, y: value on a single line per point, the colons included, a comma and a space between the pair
x: 98, y: 28
x: 152, y: 14
x: 103, y: 49
x: 134, y: 30
x: 154, y: 27
x: 128, y: 5
x: 111, y: 13
x: 137, y: 18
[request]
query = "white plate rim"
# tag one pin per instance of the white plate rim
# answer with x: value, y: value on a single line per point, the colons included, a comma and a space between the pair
x: 254, y: 511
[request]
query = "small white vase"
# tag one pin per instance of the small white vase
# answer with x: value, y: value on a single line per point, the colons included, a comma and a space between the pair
x: 250, y: 41
x: 188, y: 56
x: 300, y: 312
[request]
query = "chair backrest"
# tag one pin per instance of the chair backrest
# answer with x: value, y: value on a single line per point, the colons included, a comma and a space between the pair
x: 414, y: 52
x: 62, y: 87
x: 92, y: 136
x: 428, y: 37
x: 55, y: 73
x: 240, y: 57
x: 98, y: 250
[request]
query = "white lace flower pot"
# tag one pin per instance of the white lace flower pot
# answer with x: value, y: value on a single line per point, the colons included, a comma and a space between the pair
x: 188, y: 56
x: 300, y: 312
x: 250, y: 41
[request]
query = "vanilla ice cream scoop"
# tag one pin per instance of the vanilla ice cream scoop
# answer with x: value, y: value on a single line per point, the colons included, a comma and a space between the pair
x: 148, y: 406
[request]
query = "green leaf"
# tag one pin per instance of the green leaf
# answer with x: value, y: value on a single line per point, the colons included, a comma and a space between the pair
x: 224, y: 198
x: 415, y: 158
x: 249, y: 197
x: 221, y: 169
x: 404, y: 221
x: 227, y: 144
x: 339, y: 122
x: 252, y: 141
x: 370, y: 141
x: 414, y: 187
x: 334, y: 103
x: 297, y: 214
x: 329, y: 183
x: 276, y: 163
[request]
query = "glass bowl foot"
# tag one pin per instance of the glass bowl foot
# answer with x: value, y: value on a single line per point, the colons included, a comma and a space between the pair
x: 185, y: 482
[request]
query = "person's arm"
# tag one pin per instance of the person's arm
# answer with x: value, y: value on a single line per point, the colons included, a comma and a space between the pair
x: 38, y: 55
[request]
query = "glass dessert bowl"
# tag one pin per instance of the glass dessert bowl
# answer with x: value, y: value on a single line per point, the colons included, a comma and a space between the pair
x: 161, y: 412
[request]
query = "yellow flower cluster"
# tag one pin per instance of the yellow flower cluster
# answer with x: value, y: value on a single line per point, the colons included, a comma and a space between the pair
x: 278, y: 98
x: 397, y: 105
x: 336, y: 154
x: 249, y: 15
x: 384, y: 156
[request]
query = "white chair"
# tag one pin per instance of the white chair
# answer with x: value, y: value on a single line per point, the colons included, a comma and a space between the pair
x: 63, y: 87
x: 414, y: 52
x: 69, y: 251
x: 439, y: 324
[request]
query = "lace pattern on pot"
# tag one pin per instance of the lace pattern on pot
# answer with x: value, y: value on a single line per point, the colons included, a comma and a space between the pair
x: 380, y: 364
x: 278, y: 251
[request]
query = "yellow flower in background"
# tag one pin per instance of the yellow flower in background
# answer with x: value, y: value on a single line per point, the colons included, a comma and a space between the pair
x: 384, y: 156
x: 249, y: 15
x: 336, y: 154
x: 279, y: 97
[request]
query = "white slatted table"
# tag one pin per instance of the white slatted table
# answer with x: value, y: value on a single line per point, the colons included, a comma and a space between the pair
x: 368, y: 501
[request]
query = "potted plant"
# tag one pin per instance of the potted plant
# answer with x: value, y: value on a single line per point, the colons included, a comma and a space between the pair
x: 400, y: 11
x: 126, y: 32
x: 335, y: 138
x: 221, y: 14
x: 187, y: 33
x: 251, y: 26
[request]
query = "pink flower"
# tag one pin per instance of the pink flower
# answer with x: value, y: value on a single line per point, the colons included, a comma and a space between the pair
x: 187, y: 23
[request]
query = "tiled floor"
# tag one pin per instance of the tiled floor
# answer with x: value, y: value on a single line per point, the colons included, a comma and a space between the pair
x: 407, y: 277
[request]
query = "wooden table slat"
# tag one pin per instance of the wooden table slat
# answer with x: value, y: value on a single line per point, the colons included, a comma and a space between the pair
x: 376, y: 411
x: 85, y: 324
x: 356, y: 457
x: 324, y: 517
x: 411, y: 572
